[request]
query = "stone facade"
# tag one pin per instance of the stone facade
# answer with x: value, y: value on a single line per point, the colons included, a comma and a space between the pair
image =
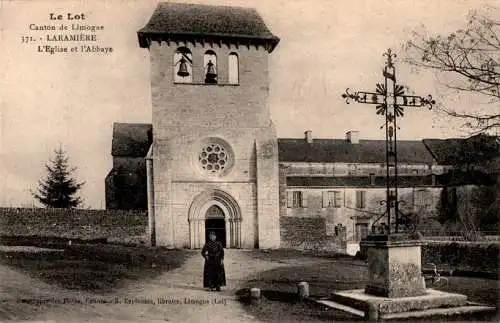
x: 214, y: 143
x: 342, y: 196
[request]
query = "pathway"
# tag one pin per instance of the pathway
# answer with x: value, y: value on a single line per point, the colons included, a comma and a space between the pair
x: 184, y: 300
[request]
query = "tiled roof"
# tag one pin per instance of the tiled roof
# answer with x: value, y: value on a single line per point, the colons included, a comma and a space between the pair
x: 464, y: 151
x: 340, y: 150
x: 131, y: 139
x: 446, y: 151
x: 178, y: 21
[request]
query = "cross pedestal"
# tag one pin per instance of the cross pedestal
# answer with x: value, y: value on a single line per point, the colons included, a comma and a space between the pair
x: 394, y: 265
x: 396, y: 288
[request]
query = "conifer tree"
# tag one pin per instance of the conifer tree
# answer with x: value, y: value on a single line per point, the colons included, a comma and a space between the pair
x: 58, y: 189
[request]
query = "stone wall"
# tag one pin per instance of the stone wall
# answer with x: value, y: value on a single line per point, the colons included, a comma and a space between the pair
x: 309, y: 234
x: 81, y: 224
x: 208, y: 105
x: 347, y: 211
x: 460, y: 257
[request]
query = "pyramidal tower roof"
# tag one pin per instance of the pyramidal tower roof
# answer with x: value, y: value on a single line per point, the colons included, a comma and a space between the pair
x: 207, y: 24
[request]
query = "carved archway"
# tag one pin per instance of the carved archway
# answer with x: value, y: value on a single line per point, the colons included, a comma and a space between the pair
x: 197, y: 216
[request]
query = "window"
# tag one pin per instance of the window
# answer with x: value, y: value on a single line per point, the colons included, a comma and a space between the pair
x: 332, y: 199
x: 213, y: 158
x: 296, y: 199
x: 361, y: 231
x: 183, y: 66
x: 210, y: 64
x: 372, y: 179
x: 422, y: 199
x: 339, y: 229
x: 233, y: 69
x: 360, y: 199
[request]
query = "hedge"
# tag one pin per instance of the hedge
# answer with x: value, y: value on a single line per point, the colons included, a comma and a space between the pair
x: 462, y: 256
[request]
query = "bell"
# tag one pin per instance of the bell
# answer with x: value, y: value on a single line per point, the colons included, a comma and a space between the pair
x: 211, y: 76
x: 183, y: 71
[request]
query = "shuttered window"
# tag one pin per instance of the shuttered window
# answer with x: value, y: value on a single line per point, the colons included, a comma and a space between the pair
x: 360, y: 199
x: 422, y: 199
x: 296, y: 199
x: 372, y: 179
x: 303, y: 199
x: 332, y: 199
x: 361, y: 231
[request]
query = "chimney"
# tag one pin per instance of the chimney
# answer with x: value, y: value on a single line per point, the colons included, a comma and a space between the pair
x: 309, y: 138
x: 352, y: 137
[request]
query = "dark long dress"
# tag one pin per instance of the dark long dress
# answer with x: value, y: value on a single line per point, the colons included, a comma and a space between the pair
x: 214, y: 275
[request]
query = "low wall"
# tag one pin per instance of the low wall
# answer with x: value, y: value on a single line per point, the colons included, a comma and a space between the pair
x: 73, y: 223
x: 463, y: 256
x: 304, y: 233
x: 479, y: 259
x: 485, y: 238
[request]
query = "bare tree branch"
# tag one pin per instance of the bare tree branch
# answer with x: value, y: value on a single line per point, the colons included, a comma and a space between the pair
x: 473, y: 56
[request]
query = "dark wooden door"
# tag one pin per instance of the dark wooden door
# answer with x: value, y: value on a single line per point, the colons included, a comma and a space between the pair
x: 219, y: 227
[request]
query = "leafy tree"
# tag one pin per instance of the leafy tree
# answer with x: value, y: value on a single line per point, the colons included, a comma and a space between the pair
x: 486, y: 203
x: 471, y: 59
x: 58, y: 189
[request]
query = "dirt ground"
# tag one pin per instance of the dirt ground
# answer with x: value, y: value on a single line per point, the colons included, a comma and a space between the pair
x: 175, y: 296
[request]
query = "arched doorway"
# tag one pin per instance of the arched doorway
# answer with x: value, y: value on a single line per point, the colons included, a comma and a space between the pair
x: 216, y: 223
x: 219, y: 210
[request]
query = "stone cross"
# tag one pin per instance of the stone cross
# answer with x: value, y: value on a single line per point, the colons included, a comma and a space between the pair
x: 389, y: 100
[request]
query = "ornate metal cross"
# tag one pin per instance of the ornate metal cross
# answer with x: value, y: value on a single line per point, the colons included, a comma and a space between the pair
x: 390, y: 99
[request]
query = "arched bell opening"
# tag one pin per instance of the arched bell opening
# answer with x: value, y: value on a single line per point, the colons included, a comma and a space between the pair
x: 183, y: 65
x: 210, y: 64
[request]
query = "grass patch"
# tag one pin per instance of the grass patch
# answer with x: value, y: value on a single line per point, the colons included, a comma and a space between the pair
x: 323, y: 278
x: 280, y: 302
x: 100, y: 268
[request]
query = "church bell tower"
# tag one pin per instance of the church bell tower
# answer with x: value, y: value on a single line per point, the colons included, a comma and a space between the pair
x: 213, y: 164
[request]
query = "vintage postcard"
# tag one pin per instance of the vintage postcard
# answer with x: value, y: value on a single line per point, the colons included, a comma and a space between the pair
x: 227, y: 160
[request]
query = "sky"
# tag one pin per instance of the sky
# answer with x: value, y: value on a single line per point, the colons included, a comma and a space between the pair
x: 72, y: 99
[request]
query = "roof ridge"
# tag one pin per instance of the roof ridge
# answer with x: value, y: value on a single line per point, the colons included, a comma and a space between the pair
x: 133, y: 123
x: 203, y: 5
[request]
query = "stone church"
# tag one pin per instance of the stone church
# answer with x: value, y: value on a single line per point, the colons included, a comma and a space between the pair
x: 211, y: 159
x: 213, y: 162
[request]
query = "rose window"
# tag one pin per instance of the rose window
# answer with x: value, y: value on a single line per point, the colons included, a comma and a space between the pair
x: 213, y: 158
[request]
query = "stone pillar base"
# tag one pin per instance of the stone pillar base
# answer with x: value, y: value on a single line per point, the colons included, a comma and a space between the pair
x: 394, y: 265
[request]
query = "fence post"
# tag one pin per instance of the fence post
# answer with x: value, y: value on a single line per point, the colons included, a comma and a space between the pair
x: 255, y: 295
x: 303, y: 290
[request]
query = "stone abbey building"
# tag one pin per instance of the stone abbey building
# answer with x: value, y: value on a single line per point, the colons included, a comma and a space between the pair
x: 211, y: 159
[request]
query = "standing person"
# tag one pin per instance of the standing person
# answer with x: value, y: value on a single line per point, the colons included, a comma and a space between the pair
x: 214, y: 275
